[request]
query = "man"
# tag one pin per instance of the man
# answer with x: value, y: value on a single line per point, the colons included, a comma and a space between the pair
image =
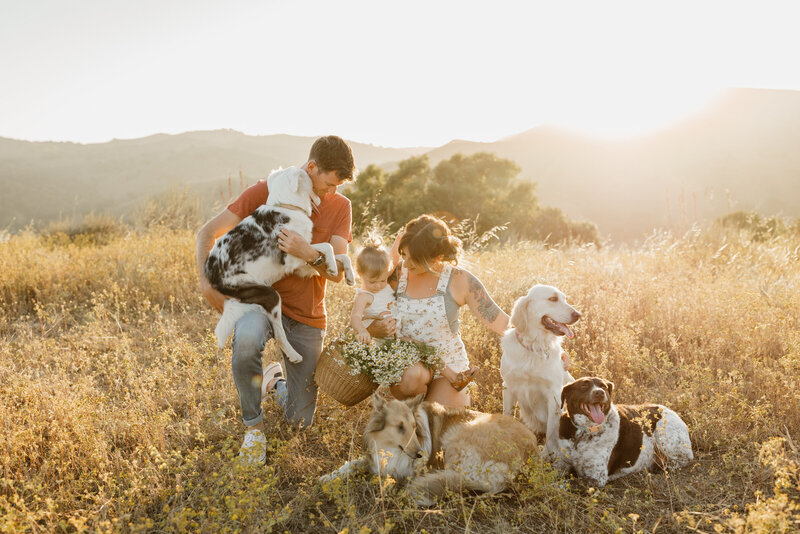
x: 330, y: 163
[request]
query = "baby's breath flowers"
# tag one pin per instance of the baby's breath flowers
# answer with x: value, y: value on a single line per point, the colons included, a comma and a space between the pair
x: 385, y: 362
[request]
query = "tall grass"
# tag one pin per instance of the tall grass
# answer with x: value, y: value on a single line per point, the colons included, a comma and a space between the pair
x: 118, y: 413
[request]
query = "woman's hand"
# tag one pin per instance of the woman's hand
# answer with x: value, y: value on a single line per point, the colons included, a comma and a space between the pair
x: 384, y: 327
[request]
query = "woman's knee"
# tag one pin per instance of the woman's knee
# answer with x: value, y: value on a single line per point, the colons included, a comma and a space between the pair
x: 442, y: 392
x: 414, y: 382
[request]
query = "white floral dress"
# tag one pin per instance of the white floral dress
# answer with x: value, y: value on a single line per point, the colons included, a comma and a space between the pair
x: 425, y: 320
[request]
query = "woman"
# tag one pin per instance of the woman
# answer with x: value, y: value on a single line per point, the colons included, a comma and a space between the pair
x: 430, y: 291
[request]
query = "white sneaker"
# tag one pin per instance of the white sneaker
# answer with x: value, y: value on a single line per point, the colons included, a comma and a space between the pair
x: 254, y: 448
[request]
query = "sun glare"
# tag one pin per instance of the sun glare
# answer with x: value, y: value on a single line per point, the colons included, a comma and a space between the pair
x: 624, y: 114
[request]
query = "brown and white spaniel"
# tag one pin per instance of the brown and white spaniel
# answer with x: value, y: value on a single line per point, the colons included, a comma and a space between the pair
x: 602, y: 441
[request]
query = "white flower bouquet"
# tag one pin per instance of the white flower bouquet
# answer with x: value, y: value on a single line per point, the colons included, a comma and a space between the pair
x: 384, y: 363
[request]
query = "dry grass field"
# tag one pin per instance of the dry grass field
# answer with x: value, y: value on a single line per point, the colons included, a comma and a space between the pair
x: 118, y: 412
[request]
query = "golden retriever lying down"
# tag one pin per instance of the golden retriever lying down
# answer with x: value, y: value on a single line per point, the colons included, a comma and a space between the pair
x: 461, y: 448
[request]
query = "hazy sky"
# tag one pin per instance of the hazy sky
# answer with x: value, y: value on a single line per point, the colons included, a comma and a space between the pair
x: 389, y: 73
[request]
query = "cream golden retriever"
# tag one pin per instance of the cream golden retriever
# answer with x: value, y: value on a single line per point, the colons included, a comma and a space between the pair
x: 531, y: 365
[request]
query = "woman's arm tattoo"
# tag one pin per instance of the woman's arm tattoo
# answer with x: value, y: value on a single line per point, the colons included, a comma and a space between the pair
x: 486, y: 307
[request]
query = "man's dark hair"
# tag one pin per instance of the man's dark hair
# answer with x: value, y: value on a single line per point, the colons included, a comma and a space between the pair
x: 332, y: 153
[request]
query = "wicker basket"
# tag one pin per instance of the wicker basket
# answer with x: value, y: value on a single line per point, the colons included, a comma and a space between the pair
x: 334, y: 378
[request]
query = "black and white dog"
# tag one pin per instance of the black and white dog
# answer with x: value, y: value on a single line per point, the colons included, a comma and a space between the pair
x: 245, y: 262
x: 602, y: 441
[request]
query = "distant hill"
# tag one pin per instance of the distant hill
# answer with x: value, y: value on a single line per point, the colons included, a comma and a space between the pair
x: 740, y: 153
x: 44, y: 180
x: 743, y: 152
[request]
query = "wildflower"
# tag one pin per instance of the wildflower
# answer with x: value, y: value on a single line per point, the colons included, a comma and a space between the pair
x: 385, y: 362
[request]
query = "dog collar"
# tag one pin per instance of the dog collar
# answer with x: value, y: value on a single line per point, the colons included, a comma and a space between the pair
x: 289, y: 207
x: 591, y: 429
x: 519, y: 340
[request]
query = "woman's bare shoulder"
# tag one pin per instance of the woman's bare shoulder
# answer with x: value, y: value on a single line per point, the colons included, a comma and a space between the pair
x: 462, y: 275
x: 460, y: 281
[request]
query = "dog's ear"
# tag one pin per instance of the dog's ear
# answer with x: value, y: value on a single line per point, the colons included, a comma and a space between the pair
x: 294, y: 182
x: 413, y: 403
x: 519, y: 314
x: 378, y: 402
x: 306, y: 186
x: 609, y: 386
x: 377, y: 419
x: 564, y: 393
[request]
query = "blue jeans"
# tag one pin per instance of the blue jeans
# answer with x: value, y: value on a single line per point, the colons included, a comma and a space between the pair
x: 298, y: 396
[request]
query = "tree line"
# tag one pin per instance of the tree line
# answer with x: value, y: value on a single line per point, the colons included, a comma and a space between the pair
x: 481, y: 187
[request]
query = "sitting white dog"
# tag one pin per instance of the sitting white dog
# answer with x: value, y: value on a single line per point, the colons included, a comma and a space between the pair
x: 531, y: 365
x: 245, y: 262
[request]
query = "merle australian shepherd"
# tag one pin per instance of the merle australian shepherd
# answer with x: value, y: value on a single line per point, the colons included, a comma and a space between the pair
x: 245, y: 262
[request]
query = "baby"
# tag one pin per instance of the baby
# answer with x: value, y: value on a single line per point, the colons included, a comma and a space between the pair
x: 376, y: 297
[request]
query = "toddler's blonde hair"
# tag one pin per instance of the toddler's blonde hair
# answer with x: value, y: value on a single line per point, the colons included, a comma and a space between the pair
x: 373, y: 259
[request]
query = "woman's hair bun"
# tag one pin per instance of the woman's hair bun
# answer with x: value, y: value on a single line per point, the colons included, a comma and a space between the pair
x: 449, y: 247
x: 427, y: 238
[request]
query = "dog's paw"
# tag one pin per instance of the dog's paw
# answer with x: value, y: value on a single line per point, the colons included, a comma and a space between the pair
x: 598, y: 481
x: 349, y: 277
x: 330, y: 260
x: 420, y: 496
x: 294, y: 358
x: 549, y: 455
x: 559, y: 464
x: 292, y: 355
x: 332, y: 272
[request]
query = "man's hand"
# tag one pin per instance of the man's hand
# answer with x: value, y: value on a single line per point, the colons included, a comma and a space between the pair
x: 206, y: 236
x: 214, y: 297
x: 293, y: 244
x: 384, y: 327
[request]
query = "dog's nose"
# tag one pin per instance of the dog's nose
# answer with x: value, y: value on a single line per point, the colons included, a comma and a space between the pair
x: 575, y: 316
x: 599, y: 395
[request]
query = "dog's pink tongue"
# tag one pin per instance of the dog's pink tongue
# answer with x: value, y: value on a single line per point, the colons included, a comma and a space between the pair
x: 596, y: 413
x: 566, y: 330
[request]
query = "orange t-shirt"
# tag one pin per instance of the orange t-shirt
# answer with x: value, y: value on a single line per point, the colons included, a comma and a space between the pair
x: 303, y: 299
